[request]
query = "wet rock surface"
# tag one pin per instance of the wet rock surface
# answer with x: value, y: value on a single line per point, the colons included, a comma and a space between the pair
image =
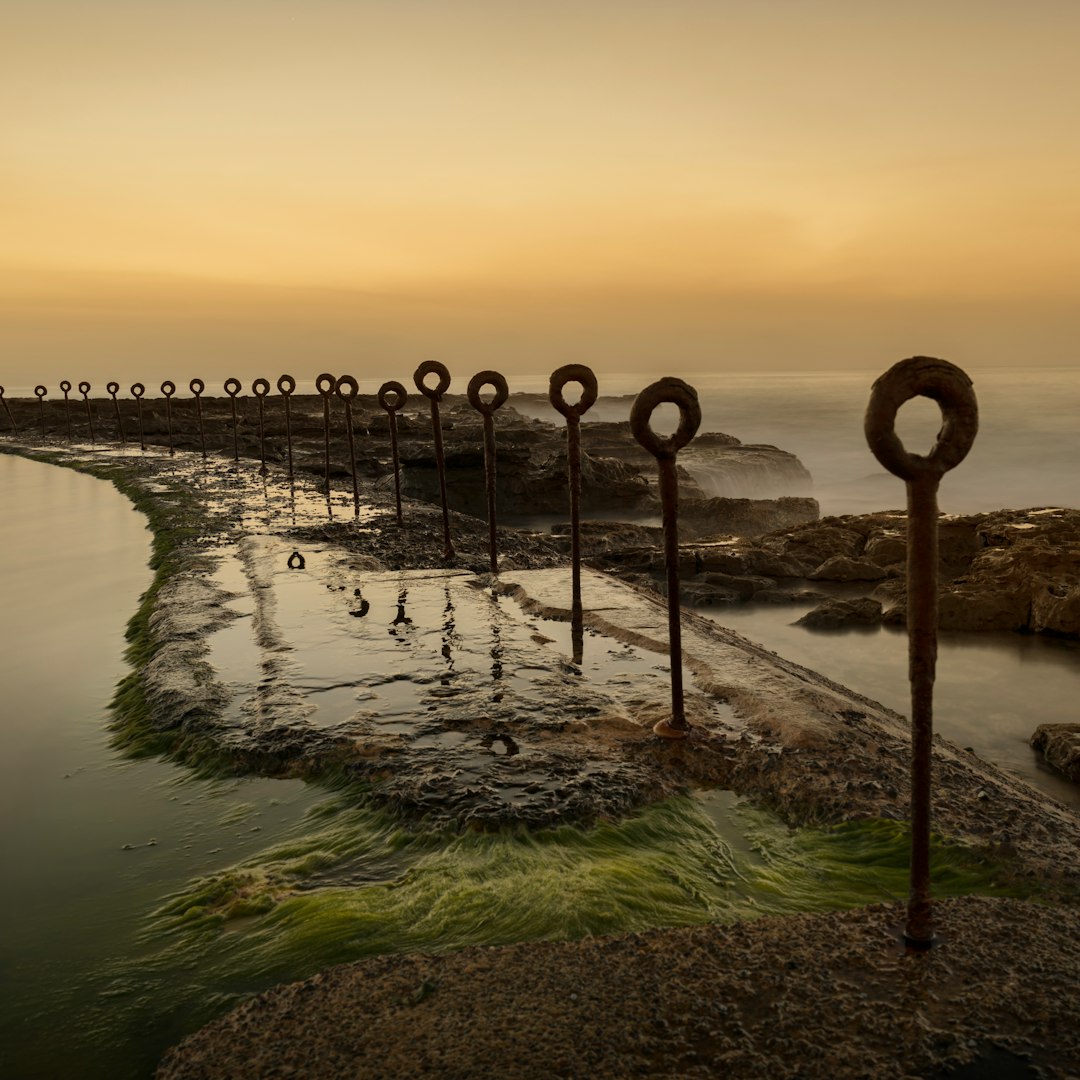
x: 1060, y: 745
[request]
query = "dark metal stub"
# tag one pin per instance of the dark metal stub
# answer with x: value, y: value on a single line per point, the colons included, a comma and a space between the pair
x: 684, y: 397
x: 168, y: 388
x: 137, y: 391
x: 114, y: 389
x: 197, y: 386
x: 326, y: 385
x: 7, y: 409
x: 232, y: 388
x: 435, y: 394
x: 392, y: 397
x: 584, y: 377
x: 347, y: 389
x: 951, y: 388
x: 487, y: 410
x: 260, y: 388
x: 296, y: 561
x: 286, y: 385
x: 65, y: 387
x: 40, y: 392
x: 84, y: 389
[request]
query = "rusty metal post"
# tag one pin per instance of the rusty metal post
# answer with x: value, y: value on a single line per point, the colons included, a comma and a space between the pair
x: 65, y: 386
x: 574, y: 373
x: 347, y: 389
x: 952, y: 390
x: 84, y: 389
x: 326, y: 385
x: 7, y: 409
x: 260, y: 388
x: 137, y: 391
x: 684, y: 397
x: 392, y: 398
x: 197, y: 386
x: 168, y: 388
x: 40, y: 391
x: 435, y: 394
x: 487, y: 410
x: 286, y: 384
x: 114, y: 389
x: 232, y: 388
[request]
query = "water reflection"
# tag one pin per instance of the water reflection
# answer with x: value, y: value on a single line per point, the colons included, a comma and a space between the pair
x: 449, y: 637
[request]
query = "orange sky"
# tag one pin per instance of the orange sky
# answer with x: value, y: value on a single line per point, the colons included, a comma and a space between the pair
x: 680, y: 186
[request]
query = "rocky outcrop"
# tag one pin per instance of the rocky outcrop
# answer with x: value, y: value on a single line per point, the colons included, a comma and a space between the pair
x: 838, y: 614
x: 1060, y: 745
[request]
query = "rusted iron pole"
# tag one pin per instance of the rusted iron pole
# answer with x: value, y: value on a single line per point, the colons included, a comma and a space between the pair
x: 950, y: 387
x: 114, y: 389
x: 168, y: 388
x: 260, y: 388
x: 392, y: 398
x: 684, y: 397
x: 286, y: 385
x: 40, y: 391
x: 65, y: 386
x: 487, y: 410
x: 232, y: 388
x: 326, y: 385
x: 347, y: 389
x: 7, y: 409
x: 197, y: 386
x: 435, y: 394
x: 84, y: 389
x: 137, y: 391
x: 584, y: 377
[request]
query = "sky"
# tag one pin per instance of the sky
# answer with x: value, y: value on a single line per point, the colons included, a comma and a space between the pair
x: 244, y: 188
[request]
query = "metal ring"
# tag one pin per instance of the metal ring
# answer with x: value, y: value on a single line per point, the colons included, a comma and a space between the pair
x: 65, y: 386
x: 137, y: 390
x: 196, y: 386
x: 1, y: 393
x: 84, y: 388
x: 326, y: 384
x: 349, y: 382
x: 168, y: 388
x: 940, y: 381
x: 478, y: 382
x: 432, y: 367
x: 666, y: 391
x: 260, y: 387
x: 395, y: 388
x: 113, y: 388
x: 286, y: 381
x: 569, y: 373
x: 40, y: 390
x: 233, y: 387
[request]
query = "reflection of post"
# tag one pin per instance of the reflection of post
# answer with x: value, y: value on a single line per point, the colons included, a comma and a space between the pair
x: 678, y: 393
x: 260, y: 388
x: 137, y: 391
x: 582, y: 375
x: 232, y: 388
x: 65, y: 386
x: 951, y: 389
x: 348, y: 388
x: 286, y: 384
x: 197, y: 386
x: 168, y: 388
x: 449, y: 634
x: 435, y: 393
x: 487, y: 410
x: 7, y: 409
x: 114, y: 389
x: 392, y: 397
x: 401, y: 619
x: 41, y: 391
x: 84, y: 389
x: 326, y: 385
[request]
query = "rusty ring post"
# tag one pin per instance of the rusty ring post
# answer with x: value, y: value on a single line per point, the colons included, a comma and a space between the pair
x: 168, y: 388
x: 326, y: 385
x: 65, y: 386
x: 435, y: 394
x: 137, y: 391
x: 232, y: 388
x: 197, y: 386
x: 84, y: 389
x: 260, y: 388
x: 574, y: 373
x: 41, y: 391
x: 286, y: 385
x: 400, y: 396
x: 114, y: 388
x: 7, y: 409
x: 680, y: 394
x: 487, y: 410
x: 348, y: 383
x: 950, y: 387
